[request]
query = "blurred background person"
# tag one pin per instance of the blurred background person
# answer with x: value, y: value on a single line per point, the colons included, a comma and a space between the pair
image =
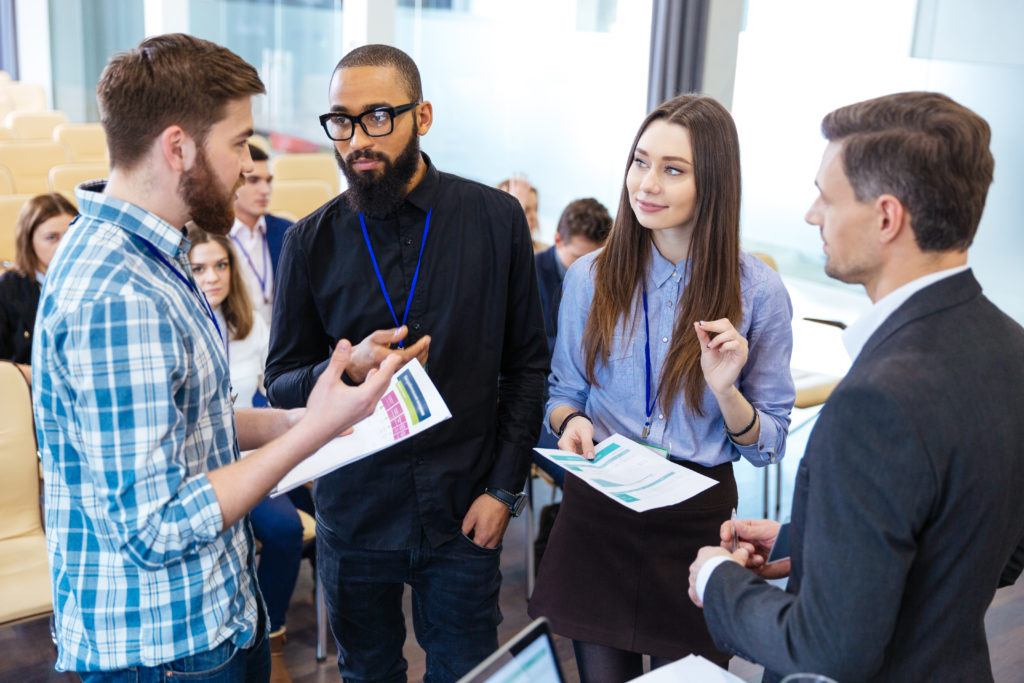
x: 257, y: 234
x: 520, y: 188
x: 40, y: 226
x: 275, y: 522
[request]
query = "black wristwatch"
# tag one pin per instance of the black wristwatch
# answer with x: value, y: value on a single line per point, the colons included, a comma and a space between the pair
x: 515, y: 502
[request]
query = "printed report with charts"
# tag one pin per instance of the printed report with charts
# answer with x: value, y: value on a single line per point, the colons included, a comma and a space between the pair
x: 410, y: 405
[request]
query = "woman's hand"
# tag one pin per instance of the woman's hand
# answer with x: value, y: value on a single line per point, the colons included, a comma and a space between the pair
x: 721, y: 358
x: 578, y: 437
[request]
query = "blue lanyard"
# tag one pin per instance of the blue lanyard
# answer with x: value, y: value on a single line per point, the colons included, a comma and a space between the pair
x: 649, y: 401
x: 380, y: 279
x: 188, y: 283
x: 266, y: 251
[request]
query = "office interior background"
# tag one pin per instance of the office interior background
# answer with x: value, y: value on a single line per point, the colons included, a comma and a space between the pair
x: 555, y: 90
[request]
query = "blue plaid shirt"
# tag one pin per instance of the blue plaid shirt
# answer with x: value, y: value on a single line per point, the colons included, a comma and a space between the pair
x: 133, y: 408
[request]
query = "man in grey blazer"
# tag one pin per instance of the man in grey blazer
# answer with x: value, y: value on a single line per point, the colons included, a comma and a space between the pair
x: 908, y: 511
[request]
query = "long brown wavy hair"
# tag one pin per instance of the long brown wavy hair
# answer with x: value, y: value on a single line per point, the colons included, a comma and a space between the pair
x: 237, y: 306
x: 713, y: 290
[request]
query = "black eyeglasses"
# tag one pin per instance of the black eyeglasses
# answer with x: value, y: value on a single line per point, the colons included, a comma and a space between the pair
x: 376, y: 122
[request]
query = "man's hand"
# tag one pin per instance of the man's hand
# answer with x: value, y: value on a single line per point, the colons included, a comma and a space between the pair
x: 486, y: 521
x: 757, y: 537
x: 334, y: 406
x: 705, y: 554
x: 370, y: 352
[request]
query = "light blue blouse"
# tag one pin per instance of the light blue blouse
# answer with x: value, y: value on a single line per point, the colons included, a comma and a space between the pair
x: 617, y: 404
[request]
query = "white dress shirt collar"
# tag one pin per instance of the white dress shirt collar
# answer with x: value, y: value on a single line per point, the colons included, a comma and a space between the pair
x: 857, y: 334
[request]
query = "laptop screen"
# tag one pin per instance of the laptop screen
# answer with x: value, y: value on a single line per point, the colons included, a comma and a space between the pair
x: 528, y: 658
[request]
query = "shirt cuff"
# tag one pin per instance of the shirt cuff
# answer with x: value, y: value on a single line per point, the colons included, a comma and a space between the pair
x: 705, y: 573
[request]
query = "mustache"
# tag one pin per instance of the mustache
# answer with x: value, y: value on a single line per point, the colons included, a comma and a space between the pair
x: 364, y: 154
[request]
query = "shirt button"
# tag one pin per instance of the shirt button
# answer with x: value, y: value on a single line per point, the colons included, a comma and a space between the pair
x: 664, y: 339
x: 415, y: 326
x: 668, y: 303
x: 661, y: 417
x: 408, y: 241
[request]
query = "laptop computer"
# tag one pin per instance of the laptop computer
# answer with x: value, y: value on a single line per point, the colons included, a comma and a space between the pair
x: 528, y: 658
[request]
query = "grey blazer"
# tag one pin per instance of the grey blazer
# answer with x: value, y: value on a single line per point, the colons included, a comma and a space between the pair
x: 909, y: 505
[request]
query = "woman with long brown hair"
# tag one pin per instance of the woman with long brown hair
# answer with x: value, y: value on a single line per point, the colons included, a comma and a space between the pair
x: 673, y: 337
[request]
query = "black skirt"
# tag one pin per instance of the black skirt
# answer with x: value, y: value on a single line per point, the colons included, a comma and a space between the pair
x: 619, y: 578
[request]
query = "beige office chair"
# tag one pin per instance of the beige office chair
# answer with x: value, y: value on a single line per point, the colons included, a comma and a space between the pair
x: 25, y: 96
x: 299, y: 197
x: 34, y: 125
x: 6, y: 133
x: 30, y: 163
x: 320, y: 167
x: 10, y: 207
x: 86, y: 142
x: 64, y: 178
x: 6, y: 181
x: 24, y: 570
x: 4, y: 76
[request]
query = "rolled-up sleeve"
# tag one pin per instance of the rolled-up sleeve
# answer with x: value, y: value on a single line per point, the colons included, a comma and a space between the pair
x: 766, y: 379
x: 126, y: 363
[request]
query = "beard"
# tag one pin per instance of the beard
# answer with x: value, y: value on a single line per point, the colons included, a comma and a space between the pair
x: 211, y: 206
x: 380, y: 195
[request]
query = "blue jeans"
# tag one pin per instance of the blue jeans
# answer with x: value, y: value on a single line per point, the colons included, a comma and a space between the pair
x: 223, y: 664
x: 454, y: 602
x: 276, y: 525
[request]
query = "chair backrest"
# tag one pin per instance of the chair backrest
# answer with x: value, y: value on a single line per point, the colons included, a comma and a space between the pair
x: 6, y: 181
x: 19, y: 462
x: 25, y: 96
x: 6, y: 103
x: 299, y: 197
x: 86, y: 142
x: 34, y: 125
x: 10, y: 207
x: 64, y: 178
x: 4, y: 76
x: 30, y: 163
x: 320, y: 167
x: 6, y: 133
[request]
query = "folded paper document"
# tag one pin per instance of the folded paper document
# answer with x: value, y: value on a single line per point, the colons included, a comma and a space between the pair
x: 411, y: 405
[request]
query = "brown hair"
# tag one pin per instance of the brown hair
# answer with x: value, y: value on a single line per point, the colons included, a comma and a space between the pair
x: 34, y: 213
x: 926, y: 150
x: 387, y: 56
x: 173, y: 79
x: 237, y: 306
x: 713, y: 290
x: 587, y: 218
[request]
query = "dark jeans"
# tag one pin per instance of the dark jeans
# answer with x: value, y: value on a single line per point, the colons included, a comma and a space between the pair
x: 223, y: 664
x: 454, y: 602
x: 276, y: 525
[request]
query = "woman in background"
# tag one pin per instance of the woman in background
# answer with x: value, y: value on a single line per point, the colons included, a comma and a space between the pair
x: 40, y: 226
x: 673, y: 337
x: 275, y: 521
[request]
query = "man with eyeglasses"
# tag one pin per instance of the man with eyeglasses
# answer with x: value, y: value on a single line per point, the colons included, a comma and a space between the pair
x: 431, y: 266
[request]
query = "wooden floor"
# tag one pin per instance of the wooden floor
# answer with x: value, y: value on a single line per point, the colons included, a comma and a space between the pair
x: 26, y: 655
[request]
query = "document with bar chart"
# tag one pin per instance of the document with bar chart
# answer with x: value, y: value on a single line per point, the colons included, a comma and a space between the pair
x: 632, y: 474
x: 411, y: 405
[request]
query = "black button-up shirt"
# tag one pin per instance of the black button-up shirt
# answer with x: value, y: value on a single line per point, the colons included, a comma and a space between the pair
x: 477, y: 299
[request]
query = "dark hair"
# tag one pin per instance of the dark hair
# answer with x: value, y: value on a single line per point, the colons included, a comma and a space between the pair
x: 237, y: 306
x: 173, y: 79
x: 257, y: 153
x: 713, y: 290
x: 385, y: 55
x: 926, y: 150
x: 587, y: 218
x: 34, y: 213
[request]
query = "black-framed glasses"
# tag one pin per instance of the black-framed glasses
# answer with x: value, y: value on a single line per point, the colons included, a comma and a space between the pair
x: 376, y: 122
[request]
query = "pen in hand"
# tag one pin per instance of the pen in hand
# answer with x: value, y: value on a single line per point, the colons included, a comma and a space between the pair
x: 732, y: 526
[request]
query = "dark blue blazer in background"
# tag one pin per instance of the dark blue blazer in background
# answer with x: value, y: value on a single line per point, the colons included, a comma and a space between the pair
x: 275, y: 236
x: 907, y: 511
x: 550, y: 292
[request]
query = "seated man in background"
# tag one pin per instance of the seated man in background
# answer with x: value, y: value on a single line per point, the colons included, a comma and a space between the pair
x: 257, y: 234
x: 582, y: 228
x: 520, y: 188
x: 907, y: 513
